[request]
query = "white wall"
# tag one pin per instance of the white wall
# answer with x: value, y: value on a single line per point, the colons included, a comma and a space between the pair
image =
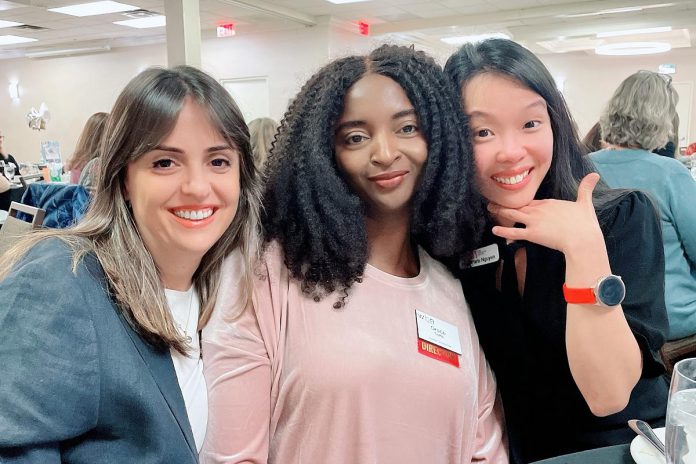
x: 591, y: 80
x: 286, y: 58
x: 75, y: 87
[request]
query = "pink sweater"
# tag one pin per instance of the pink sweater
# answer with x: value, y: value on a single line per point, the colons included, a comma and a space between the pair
x: 295, y: 381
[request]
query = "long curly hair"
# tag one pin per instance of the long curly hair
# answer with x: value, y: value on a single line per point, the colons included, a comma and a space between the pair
x: 311, y: 210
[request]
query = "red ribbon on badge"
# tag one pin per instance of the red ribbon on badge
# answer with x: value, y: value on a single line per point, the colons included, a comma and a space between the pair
x: 436, y: 352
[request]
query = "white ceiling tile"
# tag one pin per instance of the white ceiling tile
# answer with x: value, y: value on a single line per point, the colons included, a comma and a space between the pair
x: 429, y: 17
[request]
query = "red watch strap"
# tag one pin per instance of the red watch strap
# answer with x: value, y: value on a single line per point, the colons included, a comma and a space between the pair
x: 579, y: 295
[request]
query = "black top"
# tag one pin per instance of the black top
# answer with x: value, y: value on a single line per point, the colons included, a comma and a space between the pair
x: 7, y: 158
x: 524, y: 338
x: 668, y: 150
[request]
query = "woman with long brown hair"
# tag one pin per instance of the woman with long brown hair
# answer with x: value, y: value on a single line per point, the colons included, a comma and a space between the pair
x: 100, y: 344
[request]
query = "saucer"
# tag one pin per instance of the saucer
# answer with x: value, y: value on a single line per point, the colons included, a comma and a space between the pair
x: 644, y: 453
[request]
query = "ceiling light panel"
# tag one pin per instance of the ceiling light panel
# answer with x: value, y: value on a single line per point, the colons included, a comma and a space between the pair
x: 8, y: 24
x: 633, y: 48
x: 628, y: 9
x: 94, y: 8
x: 144, y: 23
x: 340, y: 2
x: 14, y: 39
x: 646, y: 30
x: 462, y: 39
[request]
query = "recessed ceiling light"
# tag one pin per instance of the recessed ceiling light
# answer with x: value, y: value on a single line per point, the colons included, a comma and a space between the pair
x: 9, y: 24
x: 633, y: 48
x: 94, y: 8
x: 14, y: 39
x: 144, y: 23
x: 339, y: 2
x: 645, y: 30
x: 462, y: 39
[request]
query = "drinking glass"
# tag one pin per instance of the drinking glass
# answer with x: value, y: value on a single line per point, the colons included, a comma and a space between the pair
x: 9, y: 171
x: 680, y: 435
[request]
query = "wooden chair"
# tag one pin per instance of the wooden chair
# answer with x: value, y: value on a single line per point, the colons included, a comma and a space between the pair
x: 14, y: 229
x: 30, y: 179
x: 676, y: 350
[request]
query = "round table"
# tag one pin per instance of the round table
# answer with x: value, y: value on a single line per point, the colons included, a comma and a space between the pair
x: 618, y: 454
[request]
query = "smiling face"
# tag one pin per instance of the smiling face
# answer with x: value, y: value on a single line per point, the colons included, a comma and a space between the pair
x: 512, y: 138
x: 379, y: 146
x: 184, y: 193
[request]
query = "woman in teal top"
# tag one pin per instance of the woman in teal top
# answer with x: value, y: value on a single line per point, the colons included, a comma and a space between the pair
x: 637, y: 120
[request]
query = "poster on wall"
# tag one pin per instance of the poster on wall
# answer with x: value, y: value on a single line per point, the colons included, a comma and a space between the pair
x: 50, y: 151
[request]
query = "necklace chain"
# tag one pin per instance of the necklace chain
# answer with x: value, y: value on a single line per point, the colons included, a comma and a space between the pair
x: 188, y: 316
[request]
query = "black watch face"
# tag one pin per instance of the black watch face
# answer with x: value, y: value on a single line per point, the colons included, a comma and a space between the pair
x: 611, y: 291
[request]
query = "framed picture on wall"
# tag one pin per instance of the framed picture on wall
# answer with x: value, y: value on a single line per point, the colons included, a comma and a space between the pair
x: 251, y: 94
x: 50, y: 151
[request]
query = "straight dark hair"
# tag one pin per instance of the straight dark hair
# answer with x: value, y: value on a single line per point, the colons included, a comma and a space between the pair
x: 568, y: 165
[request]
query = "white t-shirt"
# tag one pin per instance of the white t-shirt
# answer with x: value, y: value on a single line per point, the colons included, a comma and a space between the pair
x: 185, y: 308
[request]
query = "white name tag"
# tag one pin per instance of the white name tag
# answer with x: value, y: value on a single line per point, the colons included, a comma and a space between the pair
x: 439, y: 332
x: 485, y: 255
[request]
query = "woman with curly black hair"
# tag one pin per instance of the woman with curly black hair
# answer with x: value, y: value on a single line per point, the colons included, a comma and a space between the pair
x: 359, y: 346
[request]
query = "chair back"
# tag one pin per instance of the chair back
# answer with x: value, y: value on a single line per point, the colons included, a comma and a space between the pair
x: 14, y: 229
x: 65, y: 204
x: 30, y: 179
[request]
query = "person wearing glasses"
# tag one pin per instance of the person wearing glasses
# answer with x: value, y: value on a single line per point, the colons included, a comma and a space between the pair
x: 4, y: 156
x: 638, y: 119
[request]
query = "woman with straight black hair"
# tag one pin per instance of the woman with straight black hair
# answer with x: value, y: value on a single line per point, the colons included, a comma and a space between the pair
x: 359, y: 347
x: 567, y: 292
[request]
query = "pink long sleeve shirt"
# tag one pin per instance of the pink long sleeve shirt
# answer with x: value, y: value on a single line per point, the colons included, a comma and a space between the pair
x: 295, y: 381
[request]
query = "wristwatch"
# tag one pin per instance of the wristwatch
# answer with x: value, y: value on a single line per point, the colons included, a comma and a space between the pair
x: 608, y: 291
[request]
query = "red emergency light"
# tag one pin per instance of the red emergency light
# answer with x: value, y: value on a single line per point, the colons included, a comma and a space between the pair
x: 225, y: 30
x: 363, y: 28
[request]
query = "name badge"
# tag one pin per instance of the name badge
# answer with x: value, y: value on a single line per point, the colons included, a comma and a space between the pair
x: 433, y: 351
x: 441, y: 333
x: 485, y: 255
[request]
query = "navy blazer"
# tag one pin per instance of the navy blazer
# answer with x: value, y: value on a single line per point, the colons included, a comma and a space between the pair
x: 77, y: 383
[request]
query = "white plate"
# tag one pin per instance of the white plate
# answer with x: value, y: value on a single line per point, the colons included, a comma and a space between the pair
x: 644, y: 453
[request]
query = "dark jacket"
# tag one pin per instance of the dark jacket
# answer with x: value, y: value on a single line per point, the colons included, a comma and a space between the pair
x: 78, y: 384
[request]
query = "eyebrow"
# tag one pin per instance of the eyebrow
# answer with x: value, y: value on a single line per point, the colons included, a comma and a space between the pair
x: 540, y: 102
x: 359, y: 122
x: 177, y: 150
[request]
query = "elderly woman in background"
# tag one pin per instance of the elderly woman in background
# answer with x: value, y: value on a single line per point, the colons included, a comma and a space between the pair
x: 638, y: 119
x: 87, y: 146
